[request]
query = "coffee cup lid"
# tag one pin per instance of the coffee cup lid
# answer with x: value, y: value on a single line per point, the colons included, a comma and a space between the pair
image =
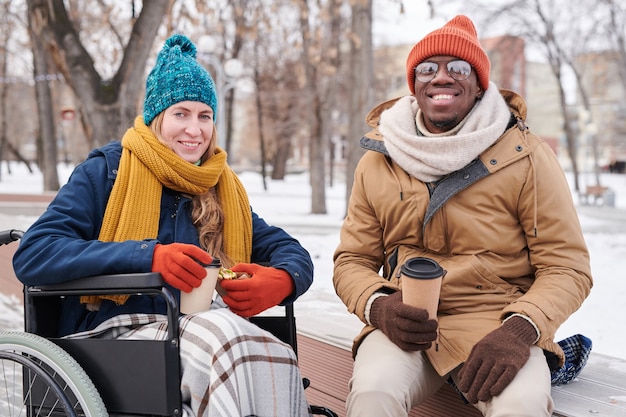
x: 422, y: 268
x: 215, y: 263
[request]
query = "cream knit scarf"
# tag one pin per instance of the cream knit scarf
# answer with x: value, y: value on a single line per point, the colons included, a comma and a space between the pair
x: 147, y: 165
x: 429, y: 157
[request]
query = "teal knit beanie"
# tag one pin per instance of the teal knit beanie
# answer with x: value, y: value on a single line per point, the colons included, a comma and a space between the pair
x: 176, y: 77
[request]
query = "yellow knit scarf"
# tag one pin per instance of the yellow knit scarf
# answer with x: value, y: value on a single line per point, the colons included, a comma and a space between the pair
x: 147, y: 165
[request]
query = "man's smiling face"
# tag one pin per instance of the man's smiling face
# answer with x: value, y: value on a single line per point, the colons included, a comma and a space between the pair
x: 443, y: 100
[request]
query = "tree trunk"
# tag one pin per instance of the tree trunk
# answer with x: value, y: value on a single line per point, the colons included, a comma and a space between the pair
x: 584, y: 128
x: 615, y: 28
x: 556, y: 55
x: 280, y: 158
x: 316, y: 164
x: 107, y: 107
x: 570, y: 137
x: 4, y: 87
x: 47, y: 152
x: 259, y: 120
x: 360, y: 82
x: 239, y: 12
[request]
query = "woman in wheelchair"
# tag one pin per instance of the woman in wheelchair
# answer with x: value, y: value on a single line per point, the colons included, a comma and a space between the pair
x: 164, y: 199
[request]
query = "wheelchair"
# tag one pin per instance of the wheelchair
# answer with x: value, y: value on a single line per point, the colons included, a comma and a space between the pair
x: 49, y: 376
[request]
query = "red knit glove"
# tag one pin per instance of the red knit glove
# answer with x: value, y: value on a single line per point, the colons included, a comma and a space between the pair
x: 178, y: 264
x: 266, y: 287
x: 406, y: 326
x: 495, y: 360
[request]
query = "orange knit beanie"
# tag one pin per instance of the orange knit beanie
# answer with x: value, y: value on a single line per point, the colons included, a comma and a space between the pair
x: 456, y: 38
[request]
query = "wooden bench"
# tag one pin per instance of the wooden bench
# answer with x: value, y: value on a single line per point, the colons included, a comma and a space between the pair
x: 600, y: 390
x: 593, y: 194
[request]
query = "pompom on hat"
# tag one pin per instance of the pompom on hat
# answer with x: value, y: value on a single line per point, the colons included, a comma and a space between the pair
x: 176, y: 77
x: 456, y: 38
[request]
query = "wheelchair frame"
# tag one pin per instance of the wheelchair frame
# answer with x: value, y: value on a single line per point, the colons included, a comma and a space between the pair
x: 129, y: 385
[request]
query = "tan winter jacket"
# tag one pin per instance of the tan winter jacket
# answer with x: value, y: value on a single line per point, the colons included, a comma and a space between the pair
x: 504, y: 228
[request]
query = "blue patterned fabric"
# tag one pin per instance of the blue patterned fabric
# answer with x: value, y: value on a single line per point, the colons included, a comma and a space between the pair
x: 577, y: 349
x: 176, y: 77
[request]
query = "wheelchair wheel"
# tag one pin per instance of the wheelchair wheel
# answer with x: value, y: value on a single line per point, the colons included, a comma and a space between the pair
x: 41, y: 379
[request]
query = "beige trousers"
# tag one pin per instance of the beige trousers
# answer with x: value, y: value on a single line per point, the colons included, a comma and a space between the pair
x: 387, y: 381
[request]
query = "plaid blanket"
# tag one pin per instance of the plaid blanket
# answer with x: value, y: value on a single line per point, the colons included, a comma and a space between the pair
x: 230, y: 367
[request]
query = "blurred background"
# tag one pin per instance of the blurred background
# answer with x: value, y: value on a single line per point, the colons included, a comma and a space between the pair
x: 296, y: 78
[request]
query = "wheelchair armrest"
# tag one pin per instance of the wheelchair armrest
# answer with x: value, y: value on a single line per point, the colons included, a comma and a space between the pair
x: 134, y: 283
x: 128, y: 282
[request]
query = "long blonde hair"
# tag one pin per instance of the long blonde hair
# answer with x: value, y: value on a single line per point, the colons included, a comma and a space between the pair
x: 206, y: 211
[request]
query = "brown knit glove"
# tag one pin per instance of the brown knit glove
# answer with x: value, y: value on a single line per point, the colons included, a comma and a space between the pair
x: 495, y: 360
x: 406, y: 326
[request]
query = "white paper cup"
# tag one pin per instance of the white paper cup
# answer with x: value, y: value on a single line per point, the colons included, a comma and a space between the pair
x: 421, y: 284
x: 200, y: 298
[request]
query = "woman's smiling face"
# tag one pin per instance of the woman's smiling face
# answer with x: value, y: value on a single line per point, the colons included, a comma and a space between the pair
x: 187, y: 129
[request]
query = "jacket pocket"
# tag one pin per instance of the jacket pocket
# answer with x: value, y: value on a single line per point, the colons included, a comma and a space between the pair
x: 470, y: 285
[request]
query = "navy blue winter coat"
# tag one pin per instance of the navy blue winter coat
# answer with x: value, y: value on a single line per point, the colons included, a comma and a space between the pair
x: 63, y: 244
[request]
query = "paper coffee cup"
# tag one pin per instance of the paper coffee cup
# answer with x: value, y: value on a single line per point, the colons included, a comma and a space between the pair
x: 421, y: 284
x: 200, y: 298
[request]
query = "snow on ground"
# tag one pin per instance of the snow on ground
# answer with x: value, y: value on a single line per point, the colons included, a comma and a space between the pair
x: 287, y: 204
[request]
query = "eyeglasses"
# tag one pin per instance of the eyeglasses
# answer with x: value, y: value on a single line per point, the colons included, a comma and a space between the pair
x: 458, y: 70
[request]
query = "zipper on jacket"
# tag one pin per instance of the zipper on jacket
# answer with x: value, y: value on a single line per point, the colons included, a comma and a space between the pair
x: 389, y: 166
x: 176, y: 206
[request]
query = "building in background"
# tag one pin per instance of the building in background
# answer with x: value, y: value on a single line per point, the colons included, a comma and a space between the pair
x: 606, y: 120
x: 605, y: 123
x: 508, y: 62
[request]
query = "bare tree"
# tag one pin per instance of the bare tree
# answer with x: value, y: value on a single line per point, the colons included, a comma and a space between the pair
x: 318, y: 204
x: 240, y: 28
x: 616, y: 31
x: 107, y: 106
x: 277, y: 103
x: 556, y: 29
x: 46, y: 139
x: 281, y: 103
x: 361, y: 76
x: 259, y: 108
x: 564, y: 49
x: 230, y: 23
x: 556, y: 56
x: 320, y: 59
x: 11, y: 21
x: 5, y: 35
x: 274, y: 53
